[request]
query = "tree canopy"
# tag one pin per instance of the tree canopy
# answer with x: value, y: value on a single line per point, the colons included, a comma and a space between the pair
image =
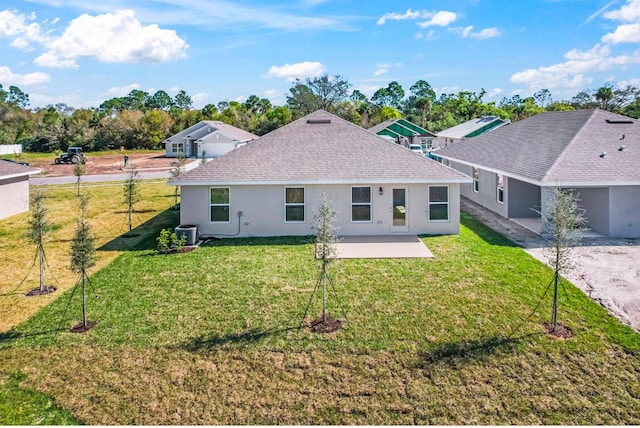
x: 141, y: 120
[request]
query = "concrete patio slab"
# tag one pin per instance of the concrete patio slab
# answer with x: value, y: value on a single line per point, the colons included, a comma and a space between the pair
x: 382, y: 247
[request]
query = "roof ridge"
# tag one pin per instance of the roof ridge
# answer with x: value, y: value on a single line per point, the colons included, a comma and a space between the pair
x: 564, y: 150
x: 562, y: 155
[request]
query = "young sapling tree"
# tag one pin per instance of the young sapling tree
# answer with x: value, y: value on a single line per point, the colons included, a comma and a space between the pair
x: 562, y: 223
x: 78, y: 171
x: 39, y: 227
x: 83, y: 255
x: 132, y: 194
x: 176, y: 172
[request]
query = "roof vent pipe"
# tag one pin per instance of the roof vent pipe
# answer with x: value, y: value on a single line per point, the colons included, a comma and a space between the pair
x: 603, y: 154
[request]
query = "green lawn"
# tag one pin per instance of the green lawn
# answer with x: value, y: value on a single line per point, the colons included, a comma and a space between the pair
x: 211, y: 337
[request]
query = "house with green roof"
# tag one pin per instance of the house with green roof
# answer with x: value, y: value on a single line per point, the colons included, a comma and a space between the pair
x: 471, y: 128
x: 406, y: 133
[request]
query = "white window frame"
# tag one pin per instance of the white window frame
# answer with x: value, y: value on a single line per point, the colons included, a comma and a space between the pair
x: 370, y: 204
x: 220, y: 205
x: 475, y: 173
x: 177, y: 147
x: 296, y: 204
x: 438, y: 203
x: 500, y: 188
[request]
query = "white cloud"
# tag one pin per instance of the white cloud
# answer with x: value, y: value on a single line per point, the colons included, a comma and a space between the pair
x: 121, y: 91
x: 409, y: 14
x: 429, y: 36
x: 571, y: 73
x: 174, y: 90
x: 112, y: 37
x: 467, y: 32
x: 439, y: 19
x: 52, y: 61
x: 368, y: 90
x: 449, y: 89
x: 381, y: 69
x: 627, y: 33
x: 493, y: 92
x: 298, y: 70
x: 16, y: 26
x: 7, y: 77
x: 630, y: 12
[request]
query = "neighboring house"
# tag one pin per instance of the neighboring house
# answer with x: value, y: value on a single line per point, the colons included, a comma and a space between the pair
x: 594, y: 152
x: 209, y: 137
x: 14, y: 187
x: 271, y: 187
x: 471, y: 128
x: 406, y: 133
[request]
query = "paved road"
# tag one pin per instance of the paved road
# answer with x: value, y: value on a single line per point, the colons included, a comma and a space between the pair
x: 72, y: 179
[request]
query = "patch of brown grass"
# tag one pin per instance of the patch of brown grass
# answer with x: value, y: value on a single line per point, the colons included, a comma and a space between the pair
x: 103, y: 387
x: 108, y: 221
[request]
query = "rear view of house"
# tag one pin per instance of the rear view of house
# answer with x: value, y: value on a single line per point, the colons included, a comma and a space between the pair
x: 14, y: 188
x: 595, y: 152
x: 272, y: 186
x: 208, y: 138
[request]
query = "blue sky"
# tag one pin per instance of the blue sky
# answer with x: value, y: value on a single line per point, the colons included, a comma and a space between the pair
x: 82, y: 52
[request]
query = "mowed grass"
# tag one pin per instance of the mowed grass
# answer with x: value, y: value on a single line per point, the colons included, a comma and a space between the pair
x: 212, y: 337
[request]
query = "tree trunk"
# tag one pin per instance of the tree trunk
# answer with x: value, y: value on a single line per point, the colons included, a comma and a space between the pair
x: 554, y: 310
x: 84, y: 301
x: 41, y: 250
x: 324, y: 293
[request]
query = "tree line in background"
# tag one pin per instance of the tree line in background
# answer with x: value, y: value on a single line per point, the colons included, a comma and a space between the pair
x: 142, y: 121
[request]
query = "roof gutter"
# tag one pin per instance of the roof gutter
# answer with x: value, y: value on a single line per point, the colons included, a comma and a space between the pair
x: 465, y: 180
x: 544, y: 183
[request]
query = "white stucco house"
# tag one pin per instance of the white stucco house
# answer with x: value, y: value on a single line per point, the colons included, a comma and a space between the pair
x: 516, y: 167
x: 14, y: 188
x: 271, y: 187
x: 207, y: 138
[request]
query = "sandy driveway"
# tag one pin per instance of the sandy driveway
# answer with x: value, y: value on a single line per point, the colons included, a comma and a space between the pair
x: 607, y: 270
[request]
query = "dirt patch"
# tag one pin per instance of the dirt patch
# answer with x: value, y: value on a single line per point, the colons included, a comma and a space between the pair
x: 107, y: 164
x: 328, y: 325
x: 562, y: 331
x: 47, y: 289
x: 81, y: 328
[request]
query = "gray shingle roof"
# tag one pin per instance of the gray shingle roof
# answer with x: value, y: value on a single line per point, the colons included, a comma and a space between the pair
x: 331, y: 150
x: 11, y: 169
x: 205, y: 127
x: 559, y: 147
x: 462, y: 130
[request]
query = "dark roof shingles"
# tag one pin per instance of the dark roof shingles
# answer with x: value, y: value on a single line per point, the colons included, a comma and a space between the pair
x: 338, y: 151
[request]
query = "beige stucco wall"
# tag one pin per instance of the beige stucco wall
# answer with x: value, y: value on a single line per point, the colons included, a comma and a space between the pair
x: 263, y: 211
x: 15, y: 196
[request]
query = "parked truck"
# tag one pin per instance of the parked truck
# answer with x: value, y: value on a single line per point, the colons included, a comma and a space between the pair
x: 73, y: 155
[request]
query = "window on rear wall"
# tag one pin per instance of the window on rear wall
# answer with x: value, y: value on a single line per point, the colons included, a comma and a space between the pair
x: 361, y: 204
x: 219, y: 204
x: 294, y: 204
x: 438, y: 203
x: 500, y: 188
